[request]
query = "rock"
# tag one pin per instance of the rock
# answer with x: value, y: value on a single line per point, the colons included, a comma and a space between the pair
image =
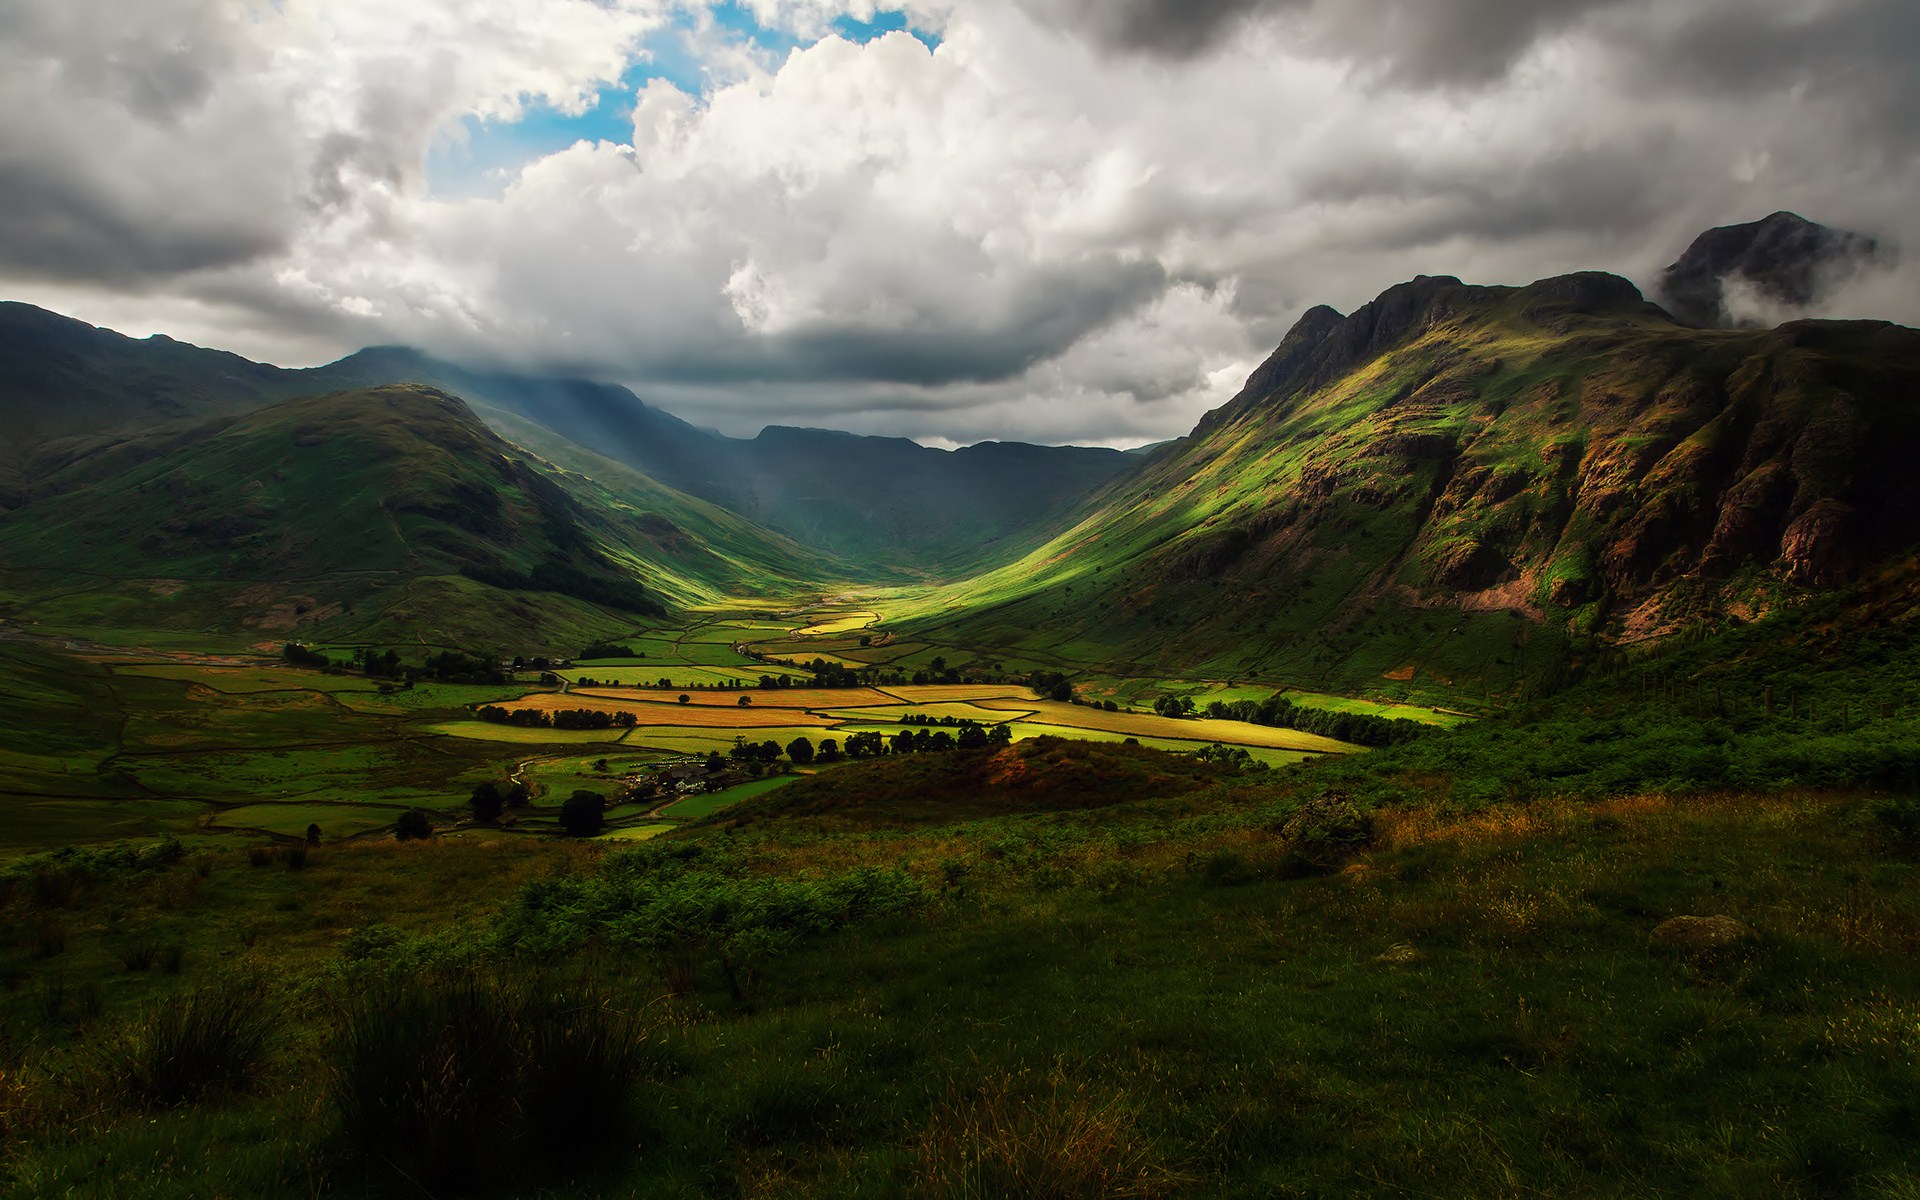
x: 1401, y: 954
x: 1785, y: 260
x: 1700, y: 933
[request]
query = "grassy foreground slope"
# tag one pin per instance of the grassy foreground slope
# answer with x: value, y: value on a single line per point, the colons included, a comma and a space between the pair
x: 1220, y: 993
x: 1450, y: 487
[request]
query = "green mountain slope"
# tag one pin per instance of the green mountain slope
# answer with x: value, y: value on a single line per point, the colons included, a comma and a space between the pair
x: 371, y: 515
x: 1449, y: 486
x: 64, y: 384
x: 888, y: 507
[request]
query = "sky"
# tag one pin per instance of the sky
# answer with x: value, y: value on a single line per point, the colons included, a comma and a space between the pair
x: 954, y: 220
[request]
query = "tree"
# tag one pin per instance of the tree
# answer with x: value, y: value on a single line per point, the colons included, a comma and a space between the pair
x: 313, y: 835
x: 685, y: 699
x: 744, y: 701
x: 414, y: 825
x: 487, y: 802
x: 1000, y: 735
x: 518, y: 796
x: 715, y: 764
x: 972, y: 737
x: 829, y: 751
x: 584, y: 814
x: 800, y: 750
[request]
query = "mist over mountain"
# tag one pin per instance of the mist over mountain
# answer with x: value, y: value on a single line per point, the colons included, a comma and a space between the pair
x: 1760, y: 274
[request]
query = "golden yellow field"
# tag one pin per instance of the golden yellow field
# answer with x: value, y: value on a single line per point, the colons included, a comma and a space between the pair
x: 959, y: 710
x: 669, y: 713
x: 1075, y: 716
x: 786, y: 698
x: 844, y: 623
x: 936, y: 693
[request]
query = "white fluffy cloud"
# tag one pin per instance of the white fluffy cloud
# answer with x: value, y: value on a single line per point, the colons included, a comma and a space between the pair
x: 1068, y: 221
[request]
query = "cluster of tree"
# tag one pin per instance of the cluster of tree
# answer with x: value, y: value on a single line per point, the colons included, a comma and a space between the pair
x: 555, y: 574
x: 1051, y: 685
x: 447, y: 666
x: 972, y: 736
x: 755, y: 752
x: 607, y: 650
x: 568, y: 718
x: 1362, y: 729
x: 490, y: 799
x: 1235, y: 757
x: 938, y: 672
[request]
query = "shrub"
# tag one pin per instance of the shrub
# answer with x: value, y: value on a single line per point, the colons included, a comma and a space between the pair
x: 584, y: 814
x: 49, y: 937
x: 1059, y: 1140
x: 192, y: 1046
x: 139, y: 955
x: 457, y: 1080
x: 414, y: 825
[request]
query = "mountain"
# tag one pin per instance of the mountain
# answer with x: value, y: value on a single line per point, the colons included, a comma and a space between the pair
x: 1455, y: 485
x: 65, y: 384
x: 366, y: 515
x: 1782, y: 263
x: 888, y: 506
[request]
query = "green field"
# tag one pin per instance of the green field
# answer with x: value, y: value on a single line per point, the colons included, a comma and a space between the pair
x: 134, y: 742
x: 695, y: 807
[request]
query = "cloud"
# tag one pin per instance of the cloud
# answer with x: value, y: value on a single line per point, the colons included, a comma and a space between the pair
x: 1049, y: 219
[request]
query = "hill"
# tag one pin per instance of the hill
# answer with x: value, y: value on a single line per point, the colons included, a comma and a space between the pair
x: 1784, y: 262
x: 888, y: 507
x: 387, y: 511
x: 65, y: 384
x: 1453, y: 484
x: 1042, y: 774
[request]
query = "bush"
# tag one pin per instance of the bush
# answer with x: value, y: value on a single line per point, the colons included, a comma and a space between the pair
x: 414, y: 825
x: 459, y: 1080
x: 584, y: 814
x: 192, y: 1046
x: 140, y: 955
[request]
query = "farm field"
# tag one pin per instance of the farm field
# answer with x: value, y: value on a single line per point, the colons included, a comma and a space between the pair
x: 118, y: 739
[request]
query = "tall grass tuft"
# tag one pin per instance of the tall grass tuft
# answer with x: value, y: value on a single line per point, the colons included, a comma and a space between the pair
x: 463, y: 1081
x: 1052, y: 1139
x: 193, y: 1046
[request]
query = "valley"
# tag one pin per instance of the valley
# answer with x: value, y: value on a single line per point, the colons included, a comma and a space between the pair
x: 1480, y: 759
x: 221, y: 745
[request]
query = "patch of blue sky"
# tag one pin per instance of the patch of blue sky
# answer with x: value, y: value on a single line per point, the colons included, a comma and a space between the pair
x: 484, y: 156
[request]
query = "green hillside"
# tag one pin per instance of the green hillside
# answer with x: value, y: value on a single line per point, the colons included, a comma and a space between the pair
x: 1453, y: 486
x: 383, y: 514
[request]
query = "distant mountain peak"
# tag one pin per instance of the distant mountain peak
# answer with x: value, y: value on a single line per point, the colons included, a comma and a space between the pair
x: 1765, y: 271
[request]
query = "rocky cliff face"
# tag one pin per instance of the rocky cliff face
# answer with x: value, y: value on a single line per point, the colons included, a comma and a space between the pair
x: 1734, y: 276
x: 1565, y: 452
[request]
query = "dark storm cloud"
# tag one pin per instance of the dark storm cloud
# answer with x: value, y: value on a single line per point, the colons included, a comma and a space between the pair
x: 1417, y: 43
x: 1865, y: 54
x: 56, y: 226
x: 1047, y: 317
x: 119, y: 162
x: 1170, y: 28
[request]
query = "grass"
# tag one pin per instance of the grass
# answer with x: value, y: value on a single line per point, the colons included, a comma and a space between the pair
x: 487, y: 731
x: 1132, y: 1000
x: 695, y: 807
